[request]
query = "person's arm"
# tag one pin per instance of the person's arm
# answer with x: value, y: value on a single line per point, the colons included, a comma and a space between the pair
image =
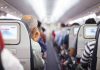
x: 88, y: 51
x: 86, y: 55
x: 10, y: 62
x: 43, y: 45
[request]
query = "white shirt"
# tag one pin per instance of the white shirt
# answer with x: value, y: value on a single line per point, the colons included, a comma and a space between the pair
x: 37, y: 49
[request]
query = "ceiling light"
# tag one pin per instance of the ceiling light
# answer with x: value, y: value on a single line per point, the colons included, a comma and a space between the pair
x: 98, y: 6
x: 39, y: 8
x: 1, y: 7
x: 61, y: 7
x: 6, y: 7
x: 9, y: 16
x: 98, y: 17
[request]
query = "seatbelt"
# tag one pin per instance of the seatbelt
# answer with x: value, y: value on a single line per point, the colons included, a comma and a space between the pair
x: 94, y: 56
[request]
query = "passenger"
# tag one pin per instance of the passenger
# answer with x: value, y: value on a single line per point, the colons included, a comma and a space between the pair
x: 31, y: 24
x: 7, y: 60
x: 42, y: 42
x: 53, y: 36
x: 70, y: 52
x: 73, y: 49
x: 38, y: 61
x: 43, y: 36
x: 86, y: 56
x: 59, y: 41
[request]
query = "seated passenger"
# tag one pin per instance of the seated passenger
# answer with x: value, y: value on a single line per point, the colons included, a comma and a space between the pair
x: 73, y: 48
x: 70, y: 53
x: 86, y: 56
x: 64, y: 57
x: 7, y: 60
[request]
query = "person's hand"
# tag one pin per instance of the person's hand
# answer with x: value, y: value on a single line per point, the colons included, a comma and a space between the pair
x: 65, y: 63
x: 62, y: 52
x: 44, y: 55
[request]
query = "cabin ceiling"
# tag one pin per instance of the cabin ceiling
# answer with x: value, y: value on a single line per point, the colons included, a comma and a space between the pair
x: 23, y: 7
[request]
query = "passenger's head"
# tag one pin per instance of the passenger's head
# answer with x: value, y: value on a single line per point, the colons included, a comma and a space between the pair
x: 1, y: 42
x: 43, y: 29
x: 39, y: 24
x: 72, y: 52
x: 31, y: 21
x: 90, y: 21
x: 35, y: 34
x: 98, y: 23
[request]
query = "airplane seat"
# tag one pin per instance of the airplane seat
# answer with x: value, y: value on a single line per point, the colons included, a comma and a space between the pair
x: 31, y: 51
x: 17, y: 40
x: 72, y: 36
x: 95, y: 64
x: 86, y: 33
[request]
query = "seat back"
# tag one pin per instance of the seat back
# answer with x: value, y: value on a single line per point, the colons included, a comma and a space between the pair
x: 96, y: 52
x: 86, y: 33
x: 17, y: 40
x: 72, y: 36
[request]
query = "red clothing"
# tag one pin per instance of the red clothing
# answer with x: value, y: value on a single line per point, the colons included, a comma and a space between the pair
x: 53, y: 35
x: 1, y: 42
x: 43, y: 36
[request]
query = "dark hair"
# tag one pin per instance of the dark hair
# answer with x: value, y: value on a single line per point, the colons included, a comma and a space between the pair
x: 62, y: 25
x: 39, y: 24
x: 75, y: 24
x: 43, y: 29
x: 98, y: 23
x: 90, y: 21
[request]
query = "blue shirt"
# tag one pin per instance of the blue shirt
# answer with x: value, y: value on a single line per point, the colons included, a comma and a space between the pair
x: 43, y: 45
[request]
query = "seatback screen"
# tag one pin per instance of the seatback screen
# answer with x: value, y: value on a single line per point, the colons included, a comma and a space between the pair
x: 9, y: 32
x: 90, y: 31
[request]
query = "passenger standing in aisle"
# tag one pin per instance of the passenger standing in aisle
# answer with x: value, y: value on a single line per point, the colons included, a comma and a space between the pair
x: 31, y: 24
x: 42, y: 41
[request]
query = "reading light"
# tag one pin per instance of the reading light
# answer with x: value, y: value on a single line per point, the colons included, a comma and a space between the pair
x: 61, y: 7
x: 98, y: 17
x: 39, y: 8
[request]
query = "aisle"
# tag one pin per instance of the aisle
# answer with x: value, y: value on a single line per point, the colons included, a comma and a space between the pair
x: 52, y: 60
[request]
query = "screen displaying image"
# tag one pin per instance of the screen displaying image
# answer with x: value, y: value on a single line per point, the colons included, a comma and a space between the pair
x: 76, y: 30
x: 90, y: 32
x: 9, y: 32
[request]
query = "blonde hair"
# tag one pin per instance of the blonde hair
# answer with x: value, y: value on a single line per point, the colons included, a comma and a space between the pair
x: 31, y: 21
